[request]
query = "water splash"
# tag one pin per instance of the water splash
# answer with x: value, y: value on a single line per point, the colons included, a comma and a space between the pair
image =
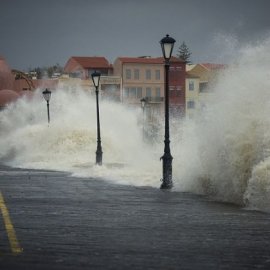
x: 69, y: 143
x: 224, y: 152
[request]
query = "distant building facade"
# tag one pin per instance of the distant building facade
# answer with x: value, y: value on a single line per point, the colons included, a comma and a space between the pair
x: 199, y: 81
x: 143, y: 77
x: 82, y: 68
x: 192, y: 94
x: 177, y: 86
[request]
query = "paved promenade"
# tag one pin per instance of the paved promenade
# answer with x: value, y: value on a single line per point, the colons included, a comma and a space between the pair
x: 49, y: 220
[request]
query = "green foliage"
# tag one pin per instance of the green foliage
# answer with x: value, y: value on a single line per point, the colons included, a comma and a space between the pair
x: 184, y: 53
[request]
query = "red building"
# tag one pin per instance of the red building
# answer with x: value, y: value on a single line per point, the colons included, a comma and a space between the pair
x: 83, y: 67
x: 177, y: 82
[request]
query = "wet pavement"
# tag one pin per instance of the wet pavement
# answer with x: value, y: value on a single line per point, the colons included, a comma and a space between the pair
x: 62, y: 222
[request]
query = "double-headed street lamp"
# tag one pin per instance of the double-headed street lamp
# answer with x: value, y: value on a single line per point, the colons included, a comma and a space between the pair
x: 167, y: 44
x: 47, y: 96
x: 96, y: 79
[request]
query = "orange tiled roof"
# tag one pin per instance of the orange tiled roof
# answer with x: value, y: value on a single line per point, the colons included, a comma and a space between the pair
x: 92, y: 62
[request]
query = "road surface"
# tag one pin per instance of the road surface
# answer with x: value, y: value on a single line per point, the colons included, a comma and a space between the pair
x: 50, y: 220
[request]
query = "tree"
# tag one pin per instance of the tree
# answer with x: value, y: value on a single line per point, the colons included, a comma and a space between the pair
x: 184, y: 53
x: 54, y: 69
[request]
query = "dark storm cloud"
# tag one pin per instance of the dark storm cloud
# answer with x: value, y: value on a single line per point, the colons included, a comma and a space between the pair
x: 36, y: 32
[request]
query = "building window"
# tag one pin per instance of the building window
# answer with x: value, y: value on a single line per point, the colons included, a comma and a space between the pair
x: 136, y: 74
x: 126, y: 93
x: 90, y: 71
x: 148, y: 91
x: 148, y: 74
x: 158, y: 92
x: 128, y: 74
x: 191, y: 104
x: 133, y: 92
x: 203, y: 87
x: 139, y: 92
x: 157, y: 74
x: 76, y: 74
x: 191, y: 85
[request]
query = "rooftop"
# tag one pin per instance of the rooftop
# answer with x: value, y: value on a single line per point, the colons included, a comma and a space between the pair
x: 90, y: 62
x: 147, y: 60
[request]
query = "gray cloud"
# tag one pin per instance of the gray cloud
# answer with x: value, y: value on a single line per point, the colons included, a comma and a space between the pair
x: 45, y: 32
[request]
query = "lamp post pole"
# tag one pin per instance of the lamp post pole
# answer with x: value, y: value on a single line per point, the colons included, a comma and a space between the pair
x: 47, y: 96
x: 143, y: 103
x: 167, y: 44
x: 48, y: 111
x: 96, y: 79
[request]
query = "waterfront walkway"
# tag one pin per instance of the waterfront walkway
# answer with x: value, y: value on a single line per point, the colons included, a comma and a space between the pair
x: 49, y: 220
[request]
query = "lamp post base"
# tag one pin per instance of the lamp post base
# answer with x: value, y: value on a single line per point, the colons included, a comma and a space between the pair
x: 167, y: 182
x: 99, y: 156
x: 165, y: 185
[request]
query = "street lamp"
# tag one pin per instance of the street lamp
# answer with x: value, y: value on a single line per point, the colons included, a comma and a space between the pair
x: 167, y: 44
x: 96, y: 79
x: 143, y: 103
x: 47, y: 96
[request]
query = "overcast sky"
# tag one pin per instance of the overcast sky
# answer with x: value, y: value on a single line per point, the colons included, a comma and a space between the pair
x: 45, y: 32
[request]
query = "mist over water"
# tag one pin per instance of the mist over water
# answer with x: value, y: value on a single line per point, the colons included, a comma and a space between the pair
x: 69, y: 142
x: 224, y: 152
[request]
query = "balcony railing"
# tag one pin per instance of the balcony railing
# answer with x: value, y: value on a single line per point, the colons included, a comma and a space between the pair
x: 155, y: 99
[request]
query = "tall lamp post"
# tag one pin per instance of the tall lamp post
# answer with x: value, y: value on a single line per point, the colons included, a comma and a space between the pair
x: 167, y: 44
x: 143, y: 103
x: 96, y: 79
x: 47, y: 96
